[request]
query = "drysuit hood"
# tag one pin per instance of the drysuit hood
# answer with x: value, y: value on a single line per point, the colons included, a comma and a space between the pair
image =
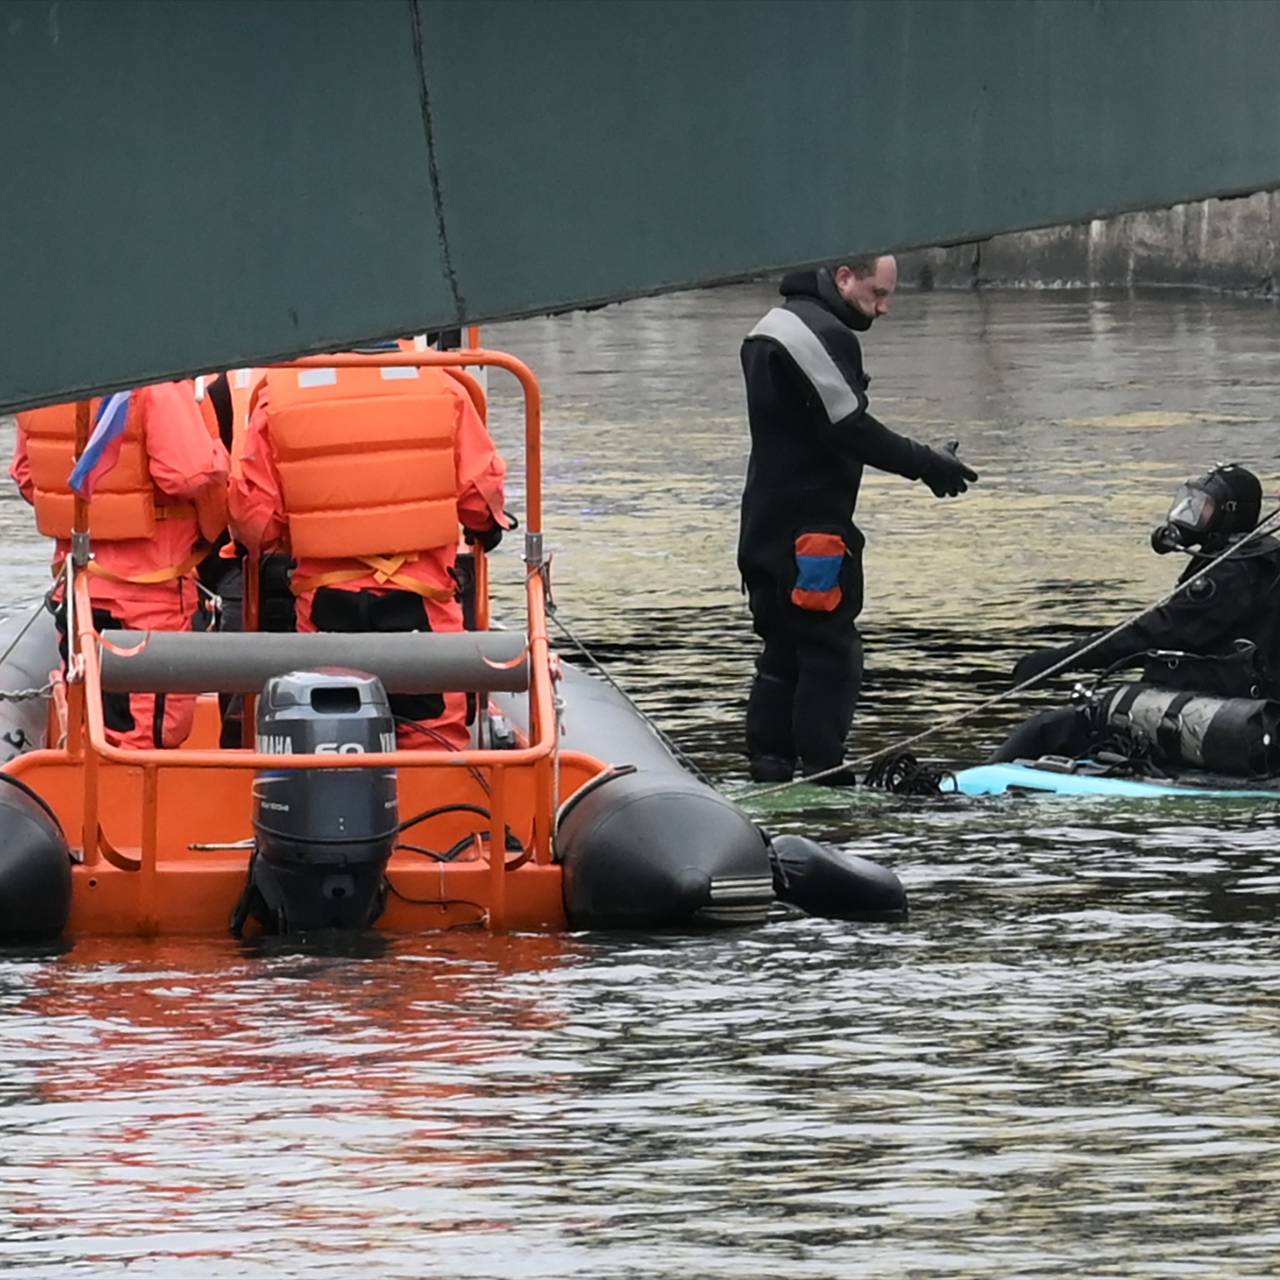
x: 821, y: 284
x: 1210, y: 509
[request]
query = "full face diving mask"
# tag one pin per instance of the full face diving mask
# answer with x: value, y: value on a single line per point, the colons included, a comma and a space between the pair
x: 1208, y: 507
x: 1189, y: 521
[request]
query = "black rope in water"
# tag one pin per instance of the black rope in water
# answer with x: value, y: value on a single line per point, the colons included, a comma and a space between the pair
x: 901, y: 774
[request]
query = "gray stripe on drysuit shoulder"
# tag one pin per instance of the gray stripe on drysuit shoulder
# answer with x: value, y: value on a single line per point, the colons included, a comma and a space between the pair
x: 812, y: 359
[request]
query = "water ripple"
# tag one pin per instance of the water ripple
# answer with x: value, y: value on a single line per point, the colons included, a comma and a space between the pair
x: 1064, y: 1064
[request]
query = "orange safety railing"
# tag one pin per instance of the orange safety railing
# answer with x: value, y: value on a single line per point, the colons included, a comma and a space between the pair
x: 86, y: 727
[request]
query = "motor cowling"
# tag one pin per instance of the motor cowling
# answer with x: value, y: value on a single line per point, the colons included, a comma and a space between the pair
x: 322, y: 836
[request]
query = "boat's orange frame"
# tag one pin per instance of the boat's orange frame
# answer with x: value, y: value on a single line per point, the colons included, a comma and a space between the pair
x: 147, y: 877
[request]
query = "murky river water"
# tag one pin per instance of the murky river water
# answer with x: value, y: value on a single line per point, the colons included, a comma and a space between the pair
x: 1066, y: 1063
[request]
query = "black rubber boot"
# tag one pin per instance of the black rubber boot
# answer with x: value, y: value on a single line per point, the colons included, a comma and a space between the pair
x: 771, y: 769
x: 769, y: 720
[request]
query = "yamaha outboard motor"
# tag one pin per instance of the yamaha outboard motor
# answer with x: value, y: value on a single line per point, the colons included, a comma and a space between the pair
x: 322, y: 836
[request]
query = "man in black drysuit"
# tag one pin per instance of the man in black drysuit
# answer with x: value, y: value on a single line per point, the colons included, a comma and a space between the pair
x: 1221, y: 636
x: 799, y: 552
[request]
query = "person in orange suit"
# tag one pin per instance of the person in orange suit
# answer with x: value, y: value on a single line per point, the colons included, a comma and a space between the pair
x: 364, y: 475
x: 224, y: 400
x: 157, y: 501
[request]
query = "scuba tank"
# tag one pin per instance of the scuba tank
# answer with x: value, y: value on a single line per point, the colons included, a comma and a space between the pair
x: 1238, y: 736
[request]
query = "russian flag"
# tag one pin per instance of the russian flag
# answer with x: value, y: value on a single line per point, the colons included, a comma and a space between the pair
x: 102, y: 452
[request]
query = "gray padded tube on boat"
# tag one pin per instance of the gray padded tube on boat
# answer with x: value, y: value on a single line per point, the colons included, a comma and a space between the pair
x: 242, y: 662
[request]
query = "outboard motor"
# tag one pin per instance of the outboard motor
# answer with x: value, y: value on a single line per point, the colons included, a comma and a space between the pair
x: 322, y: 836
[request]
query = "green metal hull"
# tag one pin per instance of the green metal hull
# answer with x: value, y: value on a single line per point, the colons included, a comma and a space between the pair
x: 209, y: 182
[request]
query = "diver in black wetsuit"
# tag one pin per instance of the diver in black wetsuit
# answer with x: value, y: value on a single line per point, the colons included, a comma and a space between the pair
x: 799, y: 551
x: 1220, y: 637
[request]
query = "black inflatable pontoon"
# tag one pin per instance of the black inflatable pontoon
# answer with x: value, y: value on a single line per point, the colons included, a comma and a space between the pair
x: 650, y: 845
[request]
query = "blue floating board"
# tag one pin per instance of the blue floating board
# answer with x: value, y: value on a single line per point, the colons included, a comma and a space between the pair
x: 1000, y: 779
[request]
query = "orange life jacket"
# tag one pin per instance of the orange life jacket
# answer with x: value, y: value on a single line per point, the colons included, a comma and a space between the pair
x: 366, y: 464
x: 125, y: 503
x: 470, y: 383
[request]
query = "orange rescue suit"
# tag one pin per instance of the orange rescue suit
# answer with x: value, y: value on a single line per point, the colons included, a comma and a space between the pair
x: 149, y: 518
x: 365, y: 474
x: 127, y: 502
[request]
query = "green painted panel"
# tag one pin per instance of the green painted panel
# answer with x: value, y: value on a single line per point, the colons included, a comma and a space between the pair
x: 192, y: 183
x: 185, y: 181
x: 633, y: 147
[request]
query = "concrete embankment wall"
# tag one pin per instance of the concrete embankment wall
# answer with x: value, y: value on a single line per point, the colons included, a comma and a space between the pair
x: 1214, y: 244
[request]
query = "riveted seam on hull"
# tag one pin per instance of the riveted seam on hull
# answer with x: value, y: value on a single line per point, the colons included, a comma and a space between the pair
x: 433, y: 168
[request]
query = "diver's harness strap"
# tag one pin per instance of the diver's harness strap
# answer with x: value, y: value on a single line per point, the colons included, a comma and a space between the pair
x: 152, y: 577
x: 385, y: 570
x: 1169, y: 730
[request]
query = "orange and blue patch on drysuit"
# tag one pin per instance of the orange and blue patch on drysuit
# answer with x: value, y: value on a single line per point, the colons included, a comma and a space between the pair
x: 819, y: 559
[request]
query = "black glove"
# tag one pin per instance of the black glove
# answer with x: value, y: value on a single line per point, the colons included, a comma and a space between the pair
x: 1032, y: 664
x: 944, y: 473
x: 488, y: 539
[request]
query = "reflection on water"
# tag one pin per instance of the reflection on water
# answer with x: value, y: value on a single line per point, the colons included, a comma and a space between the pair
x: 1065, y: 1063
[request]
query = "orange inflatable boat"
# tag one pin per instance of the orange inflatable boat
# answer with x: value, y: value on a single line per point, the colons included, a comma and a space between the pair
x: 565, y: 812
